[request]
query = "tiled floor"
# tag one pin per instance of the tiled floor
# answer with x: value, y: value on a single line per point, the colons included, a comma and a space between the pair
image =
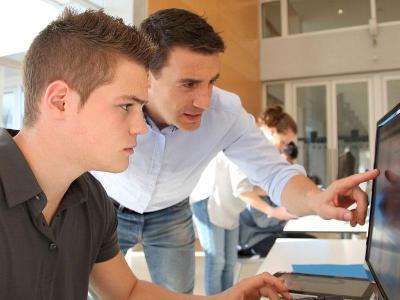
x: 245, y: 268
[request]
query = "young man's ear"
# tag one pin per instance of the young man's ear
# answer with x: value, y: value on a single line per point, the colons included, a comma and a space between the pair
x: 56, y: 97
x: 149, y: 75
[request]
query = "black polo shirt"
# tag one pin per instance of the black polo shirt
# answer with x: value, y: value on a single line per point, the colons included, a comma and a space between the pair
x: 41, y: 261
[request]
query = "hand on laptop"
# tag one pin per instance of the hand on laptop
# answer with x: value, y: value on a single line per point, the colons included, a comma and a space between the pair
x: 255, y: 287
x: 334, y: 202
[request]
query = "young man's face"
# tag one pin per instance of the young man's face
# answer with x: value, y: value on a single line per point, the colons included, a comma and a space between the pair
x: 181, y: 91
x: 105, y: 128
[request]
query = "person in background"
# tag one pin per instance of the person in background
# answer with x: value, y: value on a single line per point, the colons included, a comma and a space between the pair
x: 255, y: 226
x: 190, y: 120
x: 278, y: 127
x: 83, y: 111
x: 220, y: 195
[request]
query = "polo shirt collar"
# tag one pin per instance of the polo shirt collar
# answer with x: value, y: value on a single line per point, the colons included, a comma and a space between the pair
x: 15, y: 169
x: 16, y: 176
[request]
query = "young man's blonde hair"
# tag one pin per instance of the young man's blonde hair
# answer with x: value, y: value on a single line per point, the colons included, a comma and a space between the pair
x: 82, y: 49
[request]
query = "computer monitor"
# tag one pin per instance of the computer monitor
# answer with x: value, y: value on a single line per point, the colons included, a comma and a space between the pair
x: 346, y: 164
x: 383, y: 249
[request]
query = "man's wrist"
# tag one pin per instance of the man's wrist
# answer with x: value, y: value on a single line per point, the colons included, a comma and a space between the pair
x: 313, y: 197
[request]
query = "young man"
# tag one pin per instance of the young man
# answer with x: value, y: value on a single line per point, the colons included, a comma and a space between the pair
x: 85, y: 79
x: 189, y: 121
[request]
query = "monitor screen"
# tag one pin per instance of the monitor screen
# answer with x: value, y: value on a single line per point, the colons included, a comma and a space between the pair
x: 383, y: 254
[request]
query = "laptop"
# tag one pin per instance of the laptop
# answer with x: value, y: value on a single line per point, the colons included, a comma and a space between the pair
x: 383, y: 242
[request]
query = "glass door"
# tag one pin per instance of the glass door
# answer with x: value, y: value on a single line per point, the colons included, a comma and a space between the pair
x: 392, y: 91
x: 311, y: 116
x: 352, y: 114
x: 334, y: 122
x: 336, y: 118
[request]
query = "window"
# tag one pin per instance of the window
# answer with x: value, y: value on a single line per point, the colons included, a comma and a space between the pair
x: 271, y: 19
x: 18, y: 27
x: 302, y: 16
x: 275, y: 95
x: 387, y: 10
x: 315, y: 15
x: 393, y: 93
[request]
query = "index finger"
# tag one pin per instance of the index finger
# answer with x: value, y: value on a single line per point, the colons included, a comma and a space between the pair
x: 356, y: 179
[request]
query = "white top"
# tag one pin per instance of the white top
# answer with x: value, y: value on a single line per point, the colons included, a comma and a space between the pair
x: 286, y: 252
x: 222, y: 183
x: 167, y: 164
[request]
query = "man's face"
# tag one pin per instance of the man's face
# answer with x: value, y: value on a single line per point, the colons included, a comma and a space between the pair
x: 105, y: 128
x: 181, y: 91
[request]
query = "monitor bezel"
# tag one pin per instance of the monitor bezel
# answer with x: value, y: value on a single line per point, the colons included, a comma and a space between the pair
x: 379, y: 124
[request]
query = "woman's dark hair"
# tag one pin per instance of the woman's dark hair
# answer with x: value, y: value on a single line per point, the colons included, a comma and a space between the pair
x: 277, y: 118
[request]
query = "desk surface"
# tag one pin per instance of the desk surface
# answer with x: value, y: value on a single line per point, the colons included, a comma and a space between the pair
x: 317, y: 224
x: 286, y: 252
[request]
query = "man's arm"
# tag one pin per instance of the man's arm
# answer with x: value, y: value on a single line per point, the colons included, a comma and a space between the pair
x: 114, y: 280
x: 302, y: 197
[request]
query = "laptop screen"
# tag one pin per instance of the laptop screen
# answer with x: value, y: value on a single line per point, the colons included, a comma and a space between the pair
x: 383, y: 254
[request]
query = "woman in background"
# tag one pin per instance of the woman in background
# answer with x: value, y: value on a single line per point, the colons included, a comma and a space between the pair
x: 255, y: 225
x: 218, y: 200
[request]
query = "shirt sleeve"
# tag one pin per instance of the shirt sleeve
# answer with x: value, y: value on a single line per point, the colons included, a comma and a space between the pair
x: 258, y: 158
x: 109, y: 246
x: 240, y: 182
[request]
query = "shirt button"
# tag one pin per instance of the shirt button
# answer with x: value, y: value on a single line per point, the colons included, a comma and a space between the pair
x: 52, y: 246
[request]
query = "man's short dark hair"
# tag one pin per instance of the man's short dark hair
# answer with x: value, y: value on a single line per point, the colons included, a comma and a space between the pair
x: 82, y: 49
x: 175, y: 27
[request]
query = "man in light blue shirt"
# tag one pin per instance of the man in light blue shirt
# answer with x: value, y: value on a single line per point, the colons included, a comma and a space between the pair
x: 189, y: 122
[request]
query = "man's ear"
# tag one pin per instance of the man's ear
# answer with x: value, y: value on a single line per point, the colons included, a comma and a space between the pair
x: 56, y: 97
x: 149, y: 78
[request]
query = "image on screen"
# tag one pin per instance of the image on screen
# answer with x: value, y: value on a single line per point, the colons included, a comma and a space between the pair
x: 384, y: 251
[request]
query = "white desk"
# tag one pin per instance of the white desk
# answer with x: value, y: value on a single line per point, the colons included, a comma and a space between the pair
x: 286, y: 252
x: 319, y: 225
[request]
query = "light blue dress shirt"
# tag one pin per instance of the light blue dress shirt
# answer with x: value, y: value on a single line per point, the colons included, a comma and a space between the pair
x: 168, y: 163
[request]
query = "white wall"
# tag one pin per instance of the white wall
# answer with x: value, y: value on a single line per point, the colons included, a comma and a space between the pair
x: 343, y: 51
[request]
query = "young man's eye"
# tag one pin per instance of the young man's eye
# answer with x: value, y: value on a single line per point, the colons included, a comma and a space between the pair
x: 125, y: 106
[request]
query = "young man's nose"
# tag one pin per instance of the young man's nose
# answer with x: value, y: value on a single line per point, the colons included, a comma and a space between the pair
x: 138, y: 124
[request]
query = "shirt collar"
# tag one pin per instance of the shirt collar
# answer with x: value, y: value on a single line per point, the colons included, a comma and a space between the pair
x: 19, y: 182
x: 16, y: 176
x: 154, y: 127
